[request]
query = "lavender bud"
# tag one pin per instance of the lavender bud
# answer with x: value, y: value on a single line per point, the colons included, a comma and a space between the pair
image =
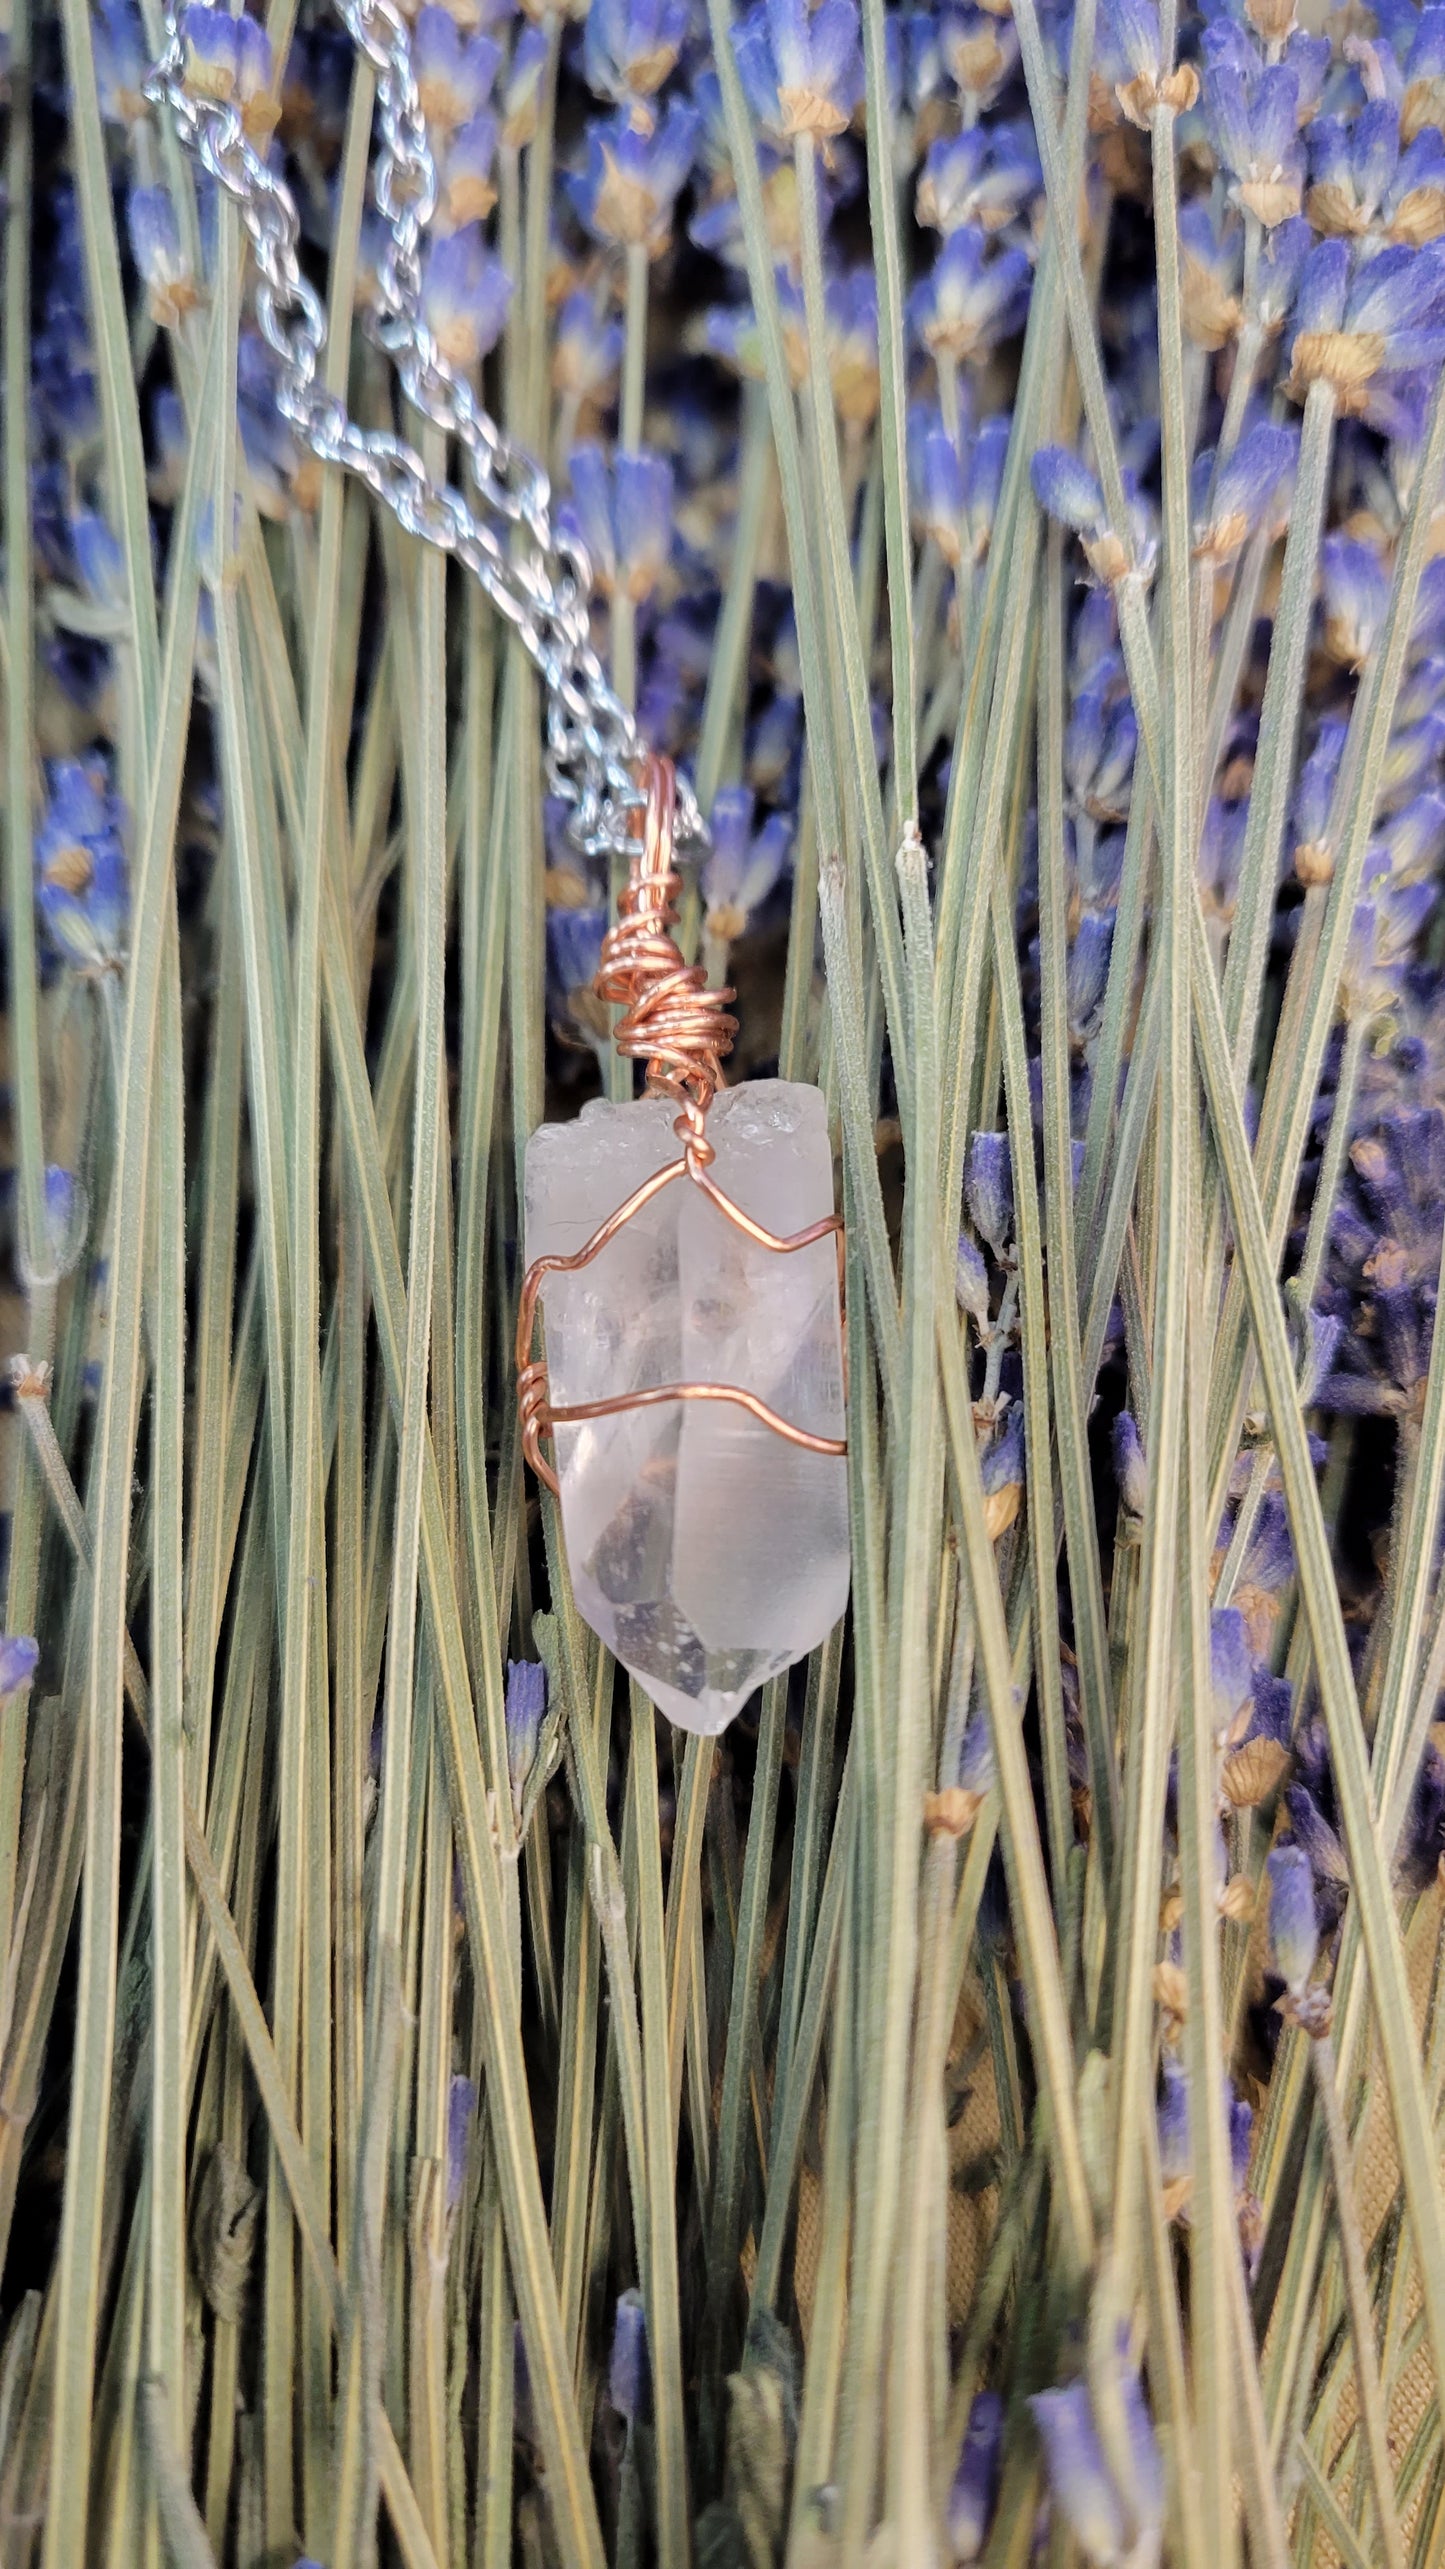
x: 1171, y: 2114
x: 974, y: 297
x: 1079, y: 2478
x: 1130, y: 1469
x: 1230, y: 1672
x: 465, y: 292
x: 802, y: 70
x: 526, y: 1705
x: 973, y: 2492
x: 1293, y: 1920
x: 631, y: 183
x: 970, y: 1279
x: 461, y: 2115
x: 82, y: 886
x: 988, y: 1189
x: 67, y: 1211
x: 19, y: 1656
x: 1065, y: 488
x: 627, y: 2370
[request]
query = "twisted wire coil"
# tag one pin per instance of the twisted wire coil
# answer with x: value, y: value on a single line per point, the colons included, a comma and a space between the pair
x: 671, y: 1020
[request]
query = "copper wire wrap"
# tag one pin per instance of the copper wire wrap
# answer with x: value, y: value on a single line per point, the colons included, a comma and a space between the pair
x: 670, y: 1020
x: 681, y: 1029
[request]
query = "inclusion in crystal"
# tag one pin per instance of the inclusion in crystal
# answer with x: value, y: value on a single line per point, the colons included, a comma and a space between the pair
x: 705, y: 1550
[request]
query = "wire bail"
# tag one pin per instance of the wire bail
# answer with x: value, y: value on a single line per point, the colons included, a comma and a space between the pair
x: 671, y: 1019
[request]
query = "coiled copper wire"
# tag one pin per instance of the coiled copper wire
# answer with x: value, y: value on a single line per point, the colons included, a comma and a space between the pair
x: 682, y: 1030
x: 671, y: 1019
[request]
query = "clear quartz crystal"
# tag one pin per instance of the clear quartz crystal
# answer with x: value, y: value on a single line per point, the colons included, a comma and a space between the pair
x: 706, y: 1550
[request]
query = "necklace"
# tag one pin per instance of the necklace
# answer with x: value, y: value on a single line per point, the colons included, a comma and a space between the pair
x: 692, y: 1387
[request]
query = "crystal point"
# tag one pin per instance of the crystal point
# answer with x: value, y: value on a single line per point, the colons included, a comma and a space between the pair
x: 706, y: 1551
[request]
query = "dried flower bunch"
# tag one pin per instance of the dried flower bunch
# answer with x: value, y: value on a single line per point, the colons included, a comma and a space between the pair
x: 989, y: 2106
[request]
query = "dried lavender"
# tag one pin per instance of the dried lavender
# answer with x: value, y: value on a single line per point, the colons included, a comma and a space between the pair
x: 996, y: 2101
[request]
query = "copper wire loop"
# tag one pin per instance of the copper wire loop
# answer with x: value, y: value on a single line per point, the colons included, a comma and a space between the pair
x: 670, y: 1020
x: 681, y: 1029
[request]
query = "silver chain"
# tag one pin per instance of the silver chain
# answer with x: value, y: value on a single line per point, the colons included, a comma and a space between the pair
x: 537, y: 574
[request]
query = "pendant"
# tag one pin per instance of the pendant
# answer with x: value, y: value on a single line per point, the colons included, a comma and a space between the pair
x: 687, y: 1262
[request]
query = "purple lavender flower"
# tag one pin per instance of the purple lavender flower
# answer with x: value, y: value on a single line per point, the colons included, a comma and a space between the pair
x: 521, y: 87
x: 1280, y: 269
x: 744, y: 862
x: 62, y: 371
x: 316, y: 89
x: 454, y: 72
x: 1245, y: 492
x: 1001, y: 1471
x: 465, y: 293
x: 1356, y: 588
x: 916, y: 82
x: 629, y: 48
x: 1101, y: 743
x: 1066, y: 488
x: 461, y: 2121
x: 526, y: 1697
x: 936, y: 482
x: 574, y: 951
x: 1171, y: 2115
x: 852, y: 336
x: 977, y: 1771
x: 1104, y: 2520
x: 628, y: 2367
x: 988, y: 175
x: 623, y: 513
x: 1241, y: 2138
x: 955, y: 483
x: 1230, y: 1672
x: 979, y: 49
x: 988, y: 1189
x: 629, y: 188
x: 586, y: 352
x: 1422, y: 101
x: 1087, y: 977
x: 974, y: 297
x: 466, y: 189
x: 1313, y: 799
x: 1316, y: 1837
x: 1363, y: 186
x: 155, y: 241
x: 82, y: 885
x: 983, y: 479
x: 1130, y: 1468
x: 1352, y: 333
x: 973, y: 2490
x: 1266, y: 1570
x: 67, y: 1212
x: 970, y: 1280
x: 1130, y: 40
x: 1211, y: 274
x: 283, y: 476
x: 1252, y: 111
x: 1412, y: 842
x: 1382, y: 1271
x: 802, y: 70
x: 99, y: 561
x: 229, y: 60
x: 19, y: 1658
x: 1293, y: 1923
x: 122, y: 61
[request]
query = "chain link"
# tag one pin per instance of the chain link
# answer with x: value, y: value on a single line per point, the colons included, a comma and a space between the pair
x: 536, y: 574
